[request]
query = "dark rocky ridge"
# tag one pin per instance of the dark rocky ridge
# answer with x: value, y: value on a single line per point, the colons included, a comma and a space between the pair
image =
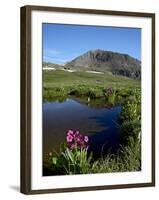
x: 100, y: 60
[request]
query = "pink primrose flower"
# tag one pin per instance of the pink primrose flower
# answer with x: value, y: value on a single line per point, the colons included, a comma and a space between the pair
x: 69, y: 138
x: 86, y: 139
x: 70, y: 132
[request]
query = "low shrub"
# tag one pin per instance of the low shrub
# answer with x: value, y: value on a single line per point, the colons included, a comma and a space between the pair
x: 129, y: 111
x: 130, y: 120
x: 130, y: 129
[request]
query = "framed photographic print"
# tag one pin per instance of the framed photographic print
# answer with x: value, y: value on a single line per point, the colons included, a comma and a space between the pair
x: 87, y: 99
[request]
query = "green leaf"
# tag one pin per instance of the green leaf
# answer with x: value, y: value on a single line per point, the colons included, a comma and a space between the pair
x: 70, y: 154
x: 54, y: 160
x: 63, y: 147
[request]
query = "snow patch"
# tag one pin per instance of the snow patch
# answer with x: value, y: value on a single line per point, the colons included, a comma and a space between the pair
x: 94, y: 72
x: 49, y: 68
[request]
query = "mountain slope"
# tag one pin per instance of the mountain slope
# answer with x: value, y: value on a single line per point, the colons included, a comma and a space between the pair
x: 51, y: 65
x: 100, y: 60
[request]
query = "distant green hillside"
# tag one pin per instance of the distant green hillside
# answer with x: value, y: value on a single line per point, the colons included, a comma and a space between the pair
x: 63, y: 78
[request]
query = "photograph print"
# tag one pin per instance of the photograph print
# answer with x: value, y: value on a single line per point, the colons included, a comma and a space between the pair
x: 91, y: 110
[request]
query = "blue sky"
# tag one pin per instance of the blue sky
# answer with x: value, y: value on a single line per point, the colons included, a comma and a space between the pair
x: 62, y: 43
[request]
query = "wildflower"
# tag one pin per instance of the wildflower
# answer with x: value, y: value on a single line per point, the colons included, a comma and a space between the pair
x: 109, y: 91
x: 86, y: 138
x: 69, y: 138
x: 70, y: 132
x: 76, y: 140
x: 76, y: 133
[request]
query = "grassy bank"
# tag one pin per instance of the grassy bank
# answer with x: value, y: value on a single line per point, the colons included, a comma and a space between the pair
x: 128, y: 158
x: 61, y: 83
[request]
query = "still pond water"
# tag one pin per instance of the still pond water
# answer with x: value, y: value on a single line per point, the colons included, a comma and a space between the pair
x: 99, y: 123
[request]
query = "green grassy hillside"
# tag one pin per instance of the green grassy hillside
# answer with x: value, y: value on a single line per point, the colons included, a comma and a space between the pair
x: 60, y: 78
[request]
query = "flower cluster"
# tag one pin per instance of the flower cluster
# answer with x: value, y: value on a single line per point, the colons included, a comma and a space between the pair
x: 76, y: 140
x: 109, y: 91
